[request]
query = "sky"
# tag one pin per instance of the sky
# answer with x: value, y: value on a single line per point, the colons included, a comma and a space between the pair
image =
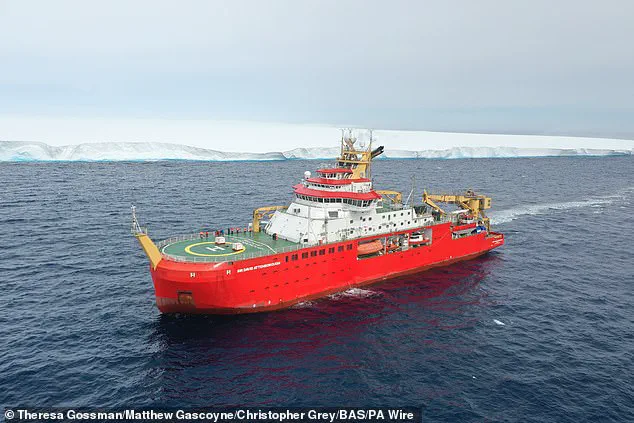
x: 536, y: 67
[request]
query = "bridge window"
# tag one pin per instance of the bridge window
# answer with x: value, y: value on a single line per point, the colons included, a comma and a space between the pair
x: 322, y: 252
x: 349, y: 247
x: 331, y: 250
x: 304, y: 255
x: 340, y: 248
x: 294, y: 257
x: 313, y: 253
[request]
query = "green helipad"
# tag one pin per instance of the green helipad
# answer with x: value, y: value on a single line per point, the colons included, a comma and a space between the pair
x: 206, y: 249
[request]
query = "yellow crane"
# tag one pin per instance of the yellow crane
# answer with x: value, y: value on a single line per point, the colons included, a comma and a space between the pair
x: 475, y: 203
x: 392, y: 196
x: 258, y: 214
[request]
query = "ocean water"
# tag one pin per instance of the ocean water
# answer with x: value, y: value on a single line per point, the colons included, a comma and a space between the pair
x: 540, y: 330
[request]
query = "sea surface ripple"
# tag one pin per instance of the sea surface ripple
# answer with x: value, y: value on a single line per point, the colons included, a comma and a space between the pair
x: 539, y: 330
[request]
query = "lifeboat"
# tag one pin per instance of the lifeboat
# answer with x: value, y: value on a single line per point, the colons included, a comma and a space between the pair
x: 371, y: 247
x: 418, y: 239
x: 468, y: 226
x: 392, y: 247
x: 466, y: 219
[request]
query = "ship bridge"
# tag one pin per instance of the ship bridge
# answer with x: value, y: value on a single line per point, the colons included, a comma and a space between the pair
x: 340, y: 202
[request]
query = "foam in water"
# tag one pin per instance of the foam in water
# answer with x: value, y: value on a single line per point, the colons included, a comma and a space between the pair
x: 505, y: 216
x: 354, y: 292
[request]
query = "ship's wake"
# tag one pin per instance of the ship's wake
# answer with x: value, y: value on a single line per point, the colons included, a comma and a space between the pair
x: 354, y: 292
x: 509, y: 215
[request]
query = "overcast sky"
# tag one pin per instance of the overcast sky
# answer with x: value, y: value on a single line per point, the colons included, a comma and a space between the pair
x: 495, y: 66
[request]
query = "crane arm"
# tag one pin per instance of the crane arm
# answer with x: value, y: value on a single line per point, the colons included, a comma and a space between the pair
x: 393, y: 196
x: 469, y: 201
x: 427, y: 200
x: 259, y: 213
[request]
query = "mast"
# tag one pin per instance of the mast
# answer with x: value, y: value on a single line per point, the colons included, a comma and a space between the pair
x: 357, y: 159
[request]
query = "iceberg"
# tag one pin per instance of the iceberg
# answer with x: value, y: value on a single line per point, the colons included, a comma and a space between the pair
x: 120, y: 151
x: 151, y: 139
x: 12, y: 151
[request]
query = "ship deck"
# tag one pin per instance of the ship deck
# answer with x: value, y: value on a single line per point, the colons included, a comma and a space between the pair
x: 193, y: 248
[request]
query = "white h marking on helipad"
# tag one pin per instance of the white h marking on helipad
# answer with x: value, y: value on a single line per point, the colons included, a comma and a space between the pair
x: 215, y: 248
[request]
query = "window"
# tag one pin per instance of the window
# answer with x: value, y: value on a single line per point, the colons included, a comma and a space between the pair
x: 286, y: 258
x: 369, y: 218
x: 304, y: 255
x: 340, y: 248
x: 349, y: 247
x: 333, y: 214
x: 313, y: 253
x: 331, y: 250
x: 294, y: 257
x: 352, y: 221
x: 322, y: 252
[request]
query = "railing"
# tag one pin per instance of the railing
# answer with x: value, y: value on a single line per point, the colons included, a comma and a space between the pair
x: 220, y: 259
x: 255, y: 254
x: 177, y: 238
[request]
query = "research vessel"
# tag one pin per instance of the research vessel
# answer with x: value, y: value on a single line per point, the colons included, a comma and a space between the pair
x: 338, y: 232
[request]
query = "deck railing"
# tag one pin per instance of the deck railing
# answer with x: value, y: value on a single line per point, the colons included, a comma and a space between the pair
x: 218, y: 259
x: 254, y: 254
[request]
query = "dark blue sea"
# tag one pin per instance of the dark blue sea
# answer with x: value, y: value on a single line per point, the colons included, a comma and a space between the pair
x: 540, y: 330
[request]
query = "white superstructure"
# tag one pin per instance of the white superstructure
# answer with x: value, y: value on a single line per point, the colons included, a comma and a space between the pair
x: 341, y: 204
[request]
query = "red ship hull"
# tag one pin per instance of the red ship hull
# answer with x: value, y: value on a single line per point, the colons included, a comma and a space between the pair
x: 281, y: 280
